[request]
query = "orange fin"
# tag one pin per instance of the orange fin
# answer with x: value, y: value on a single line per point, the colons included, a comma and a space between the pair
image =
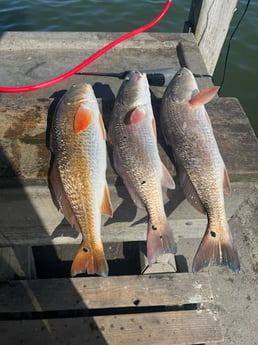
x: 90, y: 260
x: 160, y: 240
x: 216, y: 249
x: 134, y: 117
x: 82, y: 120
x: 226, y: 183
x: 166, y: 179
x: 106, y: 206
x: 102, y: 126
x: 204, y: 96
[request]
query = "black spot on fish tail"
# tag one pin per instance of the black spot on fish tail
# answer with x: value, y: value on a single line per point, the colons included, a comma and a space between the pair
x: 216, y: 250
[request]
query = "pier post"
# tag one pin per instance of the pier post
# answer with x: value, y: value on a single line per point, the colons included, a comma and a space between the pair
x: 209, y: 20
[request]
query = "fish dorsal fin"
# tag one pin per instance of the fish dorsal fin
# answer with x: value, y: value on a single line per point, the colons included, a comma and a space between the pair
x: 204, y: 96
x: 134, y: 117
x: 189, y: 190
x: 166, y: 179
x: 226, y: 183
x: 106, y: 207
x: 102, y: 127
x: 82, y: 119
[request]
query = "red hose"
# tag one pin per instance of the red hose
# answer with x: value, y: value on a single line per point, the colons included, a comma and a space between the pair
x: 91, y: 58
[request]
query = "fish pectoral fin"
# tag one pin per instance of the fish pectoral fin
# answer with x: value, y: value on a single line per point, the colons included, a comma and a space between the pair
x: 154, y: 127
x: 226, y: 183
x: 106, y: 206
x: 216, y: 248
x: 189, y: 190
x: 204, y: 96
x: 82, y: 119
x: 135, y: 116
x: 166, y: 179
x: 208, y: 118
x: 90, y: 260
x: 60, y: 195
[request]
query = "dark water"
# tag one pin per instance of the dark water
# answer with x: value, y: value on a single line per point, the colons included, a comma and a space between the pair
x: 117, y: 15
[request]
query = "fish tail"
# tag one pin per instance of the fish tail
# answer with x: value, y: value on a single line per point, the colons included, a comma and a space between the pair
x: 160, y: 240
x: 217, y: 248
x: 90, y: 260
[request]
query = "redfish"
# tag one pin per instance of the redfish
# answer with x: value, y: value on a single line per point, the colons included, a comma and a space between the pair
x: 132, y: 133
x: 202, y: 174
x: 78, y: 175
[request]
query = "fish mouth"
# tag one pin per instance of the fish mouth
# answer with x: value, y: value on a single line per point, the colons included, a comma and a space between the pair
x: 134, y: 76
x: 80, y: 93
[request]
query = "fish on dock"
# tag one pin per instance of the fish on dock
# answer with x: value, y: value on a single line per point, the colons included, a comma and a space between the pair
x: 78, y: 175
x: 202, y: 173
x: 132, y: 134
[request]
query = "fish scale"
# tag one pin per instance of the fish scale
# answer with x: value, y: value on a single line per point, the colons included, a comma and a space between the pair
x: 132, y: 133
x: 78, y: 173
x: 202, y: 174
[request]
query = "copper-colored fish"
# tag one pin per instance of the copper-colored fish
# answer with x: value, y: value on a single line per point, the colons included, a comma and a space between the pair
x: 78, y: 173
x: 132, y: 133
x: 187, y: 129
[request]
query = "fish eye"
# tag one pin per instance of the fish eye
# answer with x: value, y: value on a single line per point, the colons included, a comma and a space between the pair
x: 179, y: 74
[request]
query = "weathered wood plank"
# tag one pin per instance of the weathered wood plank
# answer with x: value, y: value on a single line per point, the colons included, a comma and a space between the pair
x: 17, y: 262
x: 210, y: 20
x: 178, y: 328
x: 236, y: 138
x: 29, y: 217
x: 111, y: 292
x: 25, y: 118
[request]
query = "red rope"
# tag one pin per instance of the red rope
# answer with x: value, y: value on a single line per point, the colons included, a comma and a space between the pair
x: 91, y: 58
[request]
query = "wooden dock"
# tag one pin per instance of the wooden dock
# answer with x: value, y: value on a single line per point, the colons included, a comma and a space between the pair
x: 171, y: 306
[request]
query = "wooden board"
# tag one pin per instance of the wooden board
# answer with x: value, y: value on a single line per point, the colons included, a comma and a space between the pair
x: 149, y: 309
x: 36, y: 221
x: 25, y: 118
x: 178, y: 328
x: 96, y: 292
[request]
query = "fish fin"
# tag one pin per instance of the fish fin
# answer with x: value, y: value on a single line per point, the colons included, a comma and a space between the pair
x: 216, y: 249
x: 189, y: 190
x: 226, y: 183
x: 159, y: 241
x: 154, y: 127
x: 204, y: 96
x: 90, y: 260
x: 102, y: 126
x: 208, y: 118
x: 106, y: 206
x: 82, y: 119
x: 129, y: 185
x: 135, y: 116
x: 166, y: 179
x: 60, y: 195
